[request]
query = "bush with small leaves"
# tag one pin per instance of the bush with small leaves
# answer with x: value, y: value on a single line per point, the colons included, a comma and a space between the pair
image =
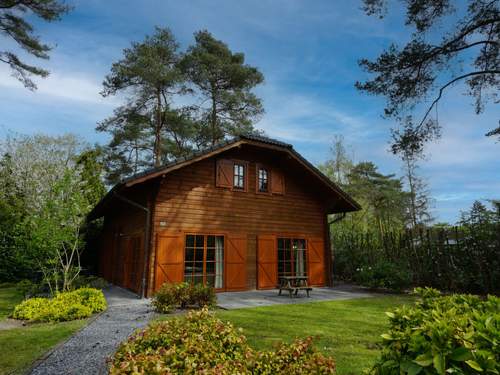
x: 199, y: 343
x: 182, y: 295
x: 77, y: 304
x: 456, y: 334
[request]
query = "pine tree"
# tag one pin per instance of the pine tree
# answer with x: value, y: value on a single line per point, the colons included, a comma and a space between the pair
x: 224, y: 82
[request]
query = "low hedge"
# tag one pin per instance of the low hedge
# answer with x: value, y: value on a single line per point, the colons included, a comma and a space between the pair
x: 456, y: 334
x: 199, y: 343
x: 182, y: 295
x: 77, y: 304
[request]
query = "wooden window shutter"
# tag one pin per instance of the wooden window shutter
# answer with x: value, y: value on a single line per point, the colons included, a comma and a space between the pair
x: 169, y: 259
x: 224, y: 173
x: 236, y: 262
x: 267, y: 262
x: 316, y: 260
x: 277, y: 182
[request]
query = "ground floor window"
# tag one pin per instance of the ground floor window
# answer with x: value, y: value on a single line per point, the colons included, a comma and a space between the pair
x: 291, y: 257
x: 204, y: 260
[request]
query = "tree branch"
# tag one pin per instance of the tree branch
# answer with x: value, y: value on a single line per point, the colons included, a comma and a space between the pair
x: 441, y: 90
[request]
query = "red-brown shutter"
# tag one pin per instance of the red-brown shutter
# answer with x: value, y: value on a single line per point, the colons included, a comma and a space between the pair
x: 316, y: 259
x: 224, y: 173
x: 236, y: 262
x: 267, y: 262
x: 277, y: 182
x: 169, y: 259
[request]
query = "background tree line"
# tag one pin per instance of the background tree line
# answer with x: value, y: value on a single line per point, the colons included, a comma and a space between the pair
x: 393, y: 243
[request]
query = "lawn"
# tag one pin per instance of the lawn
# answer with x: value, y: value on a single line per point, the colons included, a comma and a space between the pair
x: 20, y: 347
x: 347, y: 330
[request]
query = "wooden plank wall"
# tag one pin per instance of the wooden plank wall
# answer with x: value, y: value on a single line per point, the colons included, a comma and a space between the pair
x: 123, y: 225
x: 188, y: 200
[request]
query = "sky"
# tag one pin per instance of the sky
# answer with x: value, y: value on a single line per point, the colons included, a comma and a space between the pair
x: 308, y: 53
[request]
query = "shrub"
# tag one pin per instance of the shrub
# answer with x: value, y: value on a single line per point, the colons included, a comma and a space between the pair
x: 442, y: 334
x: 182, y: 295
x: 384, y: 274
x: 89, y: 282
x: 78, y: 304
x: 203, y: 295
x: 202, y: 344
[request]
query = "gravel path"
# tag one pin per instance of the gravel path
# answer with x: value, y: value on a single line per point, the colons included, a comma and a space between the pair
x: 86, y: 352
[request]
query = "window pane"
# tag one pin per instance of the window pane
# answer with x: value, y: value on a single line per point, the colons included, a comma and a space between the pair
x: 210, y: 255
x: 188, y: 267
x: 210, y: 241
x: 281, y: 243
x: 199, y: 255
x: 189, y: 240
x: 199, y: 241
x: 198, y: 267
x: 189, y: 254
x: 198, y: 279
x: 210, y: 268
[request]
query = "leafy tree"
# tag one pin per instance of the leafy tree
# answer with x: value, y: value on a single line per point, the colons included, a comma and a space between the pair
x: 47, y: 186
x: 91, y: 174
x: 468, y: 52
x: 224, y: 83
x: 55, y: 230
x: 149, y: 75
x: 381, y: 196
x: 13, y: 25
x: 340, y: 164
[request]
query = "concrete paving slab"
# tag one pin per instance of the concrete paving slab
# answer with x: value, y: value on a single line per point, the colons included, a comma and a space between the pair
x: 255, y: 298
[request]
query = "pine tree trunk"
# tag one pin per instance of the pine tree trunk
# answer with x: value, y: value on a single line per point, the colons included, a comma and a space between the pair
x: 214, y: 118
x: 158, y: 126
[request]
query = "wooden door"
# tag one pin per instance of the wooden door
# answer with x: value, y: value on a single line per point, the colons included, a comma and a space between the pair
x: 236, y: 262
x: 169, y: 259
x: 267, y: 262
x: 316, y: 260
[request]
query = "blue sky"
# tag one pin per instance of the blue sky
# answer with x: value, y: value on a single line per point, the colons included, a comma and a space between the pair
x: 308, y: 53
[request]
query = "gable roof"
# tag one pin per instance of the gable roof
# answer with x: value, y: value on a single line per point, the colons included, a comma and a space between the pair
x: 255, y: 140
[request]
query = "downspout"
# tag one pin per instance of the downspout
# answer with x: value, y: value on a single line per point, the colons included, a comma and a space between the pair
x: 147, y: 233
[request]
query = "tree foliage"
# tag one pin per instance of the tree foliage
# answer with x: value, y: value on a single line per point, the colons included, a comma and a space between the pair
x: 47, y: 186
x: 152, y: 127
x: 13, y: 25
x: 224, y: 82
x: 407, y: 76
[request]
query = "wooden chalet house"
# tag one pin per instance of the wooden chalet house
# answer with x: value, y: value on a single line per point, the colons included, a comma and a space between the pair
x: 236, y: 216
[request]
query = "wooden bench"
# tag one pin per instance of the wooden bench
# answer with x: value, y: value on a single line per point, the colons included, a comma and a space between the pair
x: 292, y: 284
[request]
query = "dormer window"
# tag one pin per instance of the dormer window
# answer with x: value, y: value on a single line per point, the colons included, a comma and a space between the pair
x: 239, y: 176
x: 263, y: 180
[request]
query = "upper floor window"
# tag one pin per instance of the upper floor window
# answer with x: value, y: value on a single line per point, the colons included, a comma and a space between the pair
x: 239, y: 176
x: 263, y: 180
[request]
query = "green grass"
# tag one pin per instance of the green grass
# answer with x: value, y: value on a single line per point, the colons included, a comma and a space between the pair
x: 347, y: 330
x: 9, y: 297
x: 20, y: 347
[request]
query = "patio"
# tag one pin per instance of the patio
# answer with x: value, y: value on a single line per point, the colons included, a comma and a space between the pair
x: 255, y: 298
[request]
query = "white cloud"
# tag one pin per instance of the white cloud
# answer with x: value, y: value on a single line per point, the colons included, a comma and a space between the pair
x: 71, y: 86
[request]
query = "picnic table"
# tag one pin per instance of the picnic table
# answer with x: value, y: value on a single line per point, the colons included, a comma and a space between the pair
x: 293, y: 284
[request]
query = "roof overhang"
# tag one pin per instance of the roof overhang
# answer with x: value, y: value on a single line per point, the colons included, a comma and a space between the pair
x: 349, y: 204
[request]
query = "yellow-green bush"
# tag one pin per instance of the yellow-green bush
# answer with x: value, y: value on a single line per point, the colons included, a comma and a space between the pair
x: 77, y: 304
x: 202, y: 344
